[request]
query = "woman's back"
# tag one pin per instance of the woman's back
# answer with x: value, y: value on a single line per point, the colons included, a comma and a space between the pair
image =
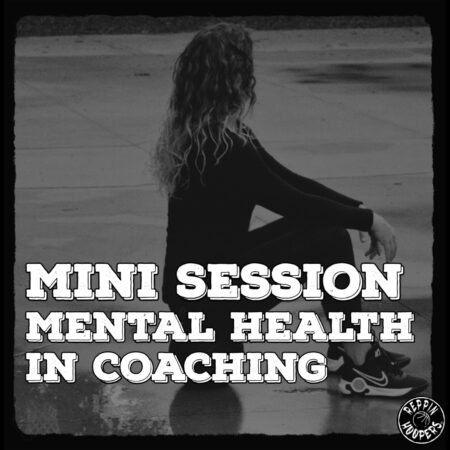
x: 208, y: 211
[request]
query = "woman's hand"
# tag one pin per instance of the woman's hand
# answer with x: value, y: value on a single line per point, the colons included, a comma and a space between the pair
x: 382, y: 236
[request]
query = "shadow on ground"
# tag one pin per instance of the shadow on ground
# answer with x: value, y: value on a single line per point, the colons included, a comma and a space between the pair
x: 396, y: 77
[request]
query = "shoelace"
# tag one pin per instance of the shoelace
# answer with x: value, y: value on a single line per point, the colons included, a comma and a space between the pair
x: 377, y: 345
x: 387, y: 364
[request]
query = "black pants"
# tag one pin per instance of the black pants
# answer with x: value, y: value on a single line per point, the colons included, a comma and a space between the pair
x: 282, y: 241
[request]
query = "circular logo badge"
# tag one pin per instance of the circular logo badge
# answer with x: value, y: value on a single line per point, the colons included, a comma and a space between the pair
x: 421, y: 420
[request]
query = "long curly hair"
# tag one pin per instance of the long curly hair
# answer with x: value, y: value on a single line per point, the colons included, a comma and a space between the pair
x: 213, y: 87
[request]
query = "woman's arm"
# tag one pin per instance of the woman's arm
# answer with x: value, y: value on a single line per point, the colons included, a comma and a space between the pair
x: 251, y: 175
x: 302, y: 183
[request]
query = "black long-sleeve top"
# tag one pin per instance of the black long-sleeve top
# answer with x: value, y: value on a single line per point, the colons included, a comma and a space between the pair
x: 208, y: 218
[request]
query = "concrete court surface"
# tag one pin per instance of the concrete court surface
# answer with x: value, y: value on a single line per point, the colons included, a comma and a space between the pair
x: 351, y: 108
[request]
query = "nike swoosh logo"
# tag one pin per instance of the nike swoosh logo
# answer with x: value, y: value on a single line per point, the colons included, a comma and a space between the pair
x: 381, y: 381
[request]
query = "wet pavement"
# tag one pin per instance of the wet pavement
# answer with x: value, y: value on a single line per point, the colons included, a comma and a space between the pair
x: 351, y: 108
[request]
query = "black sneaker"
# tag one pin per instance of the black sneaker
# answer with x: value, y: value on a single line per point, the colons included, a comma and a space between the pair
x: 336, y: 356
x: 378, y: 376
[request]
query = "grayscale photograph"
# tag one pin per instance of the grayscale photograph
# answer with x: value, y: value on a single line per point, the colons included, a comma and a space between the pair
x: 278, y: 147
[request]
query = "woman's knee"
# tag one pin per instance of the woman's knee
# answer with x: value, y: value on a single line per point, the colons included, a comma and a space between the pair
x: 337, y: 242
x: 341, y: 235
x: 332, y: 235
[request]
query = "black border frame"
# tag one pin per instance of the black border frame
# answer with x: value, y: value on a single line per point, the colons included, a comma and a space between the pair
x: 434, y: 12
